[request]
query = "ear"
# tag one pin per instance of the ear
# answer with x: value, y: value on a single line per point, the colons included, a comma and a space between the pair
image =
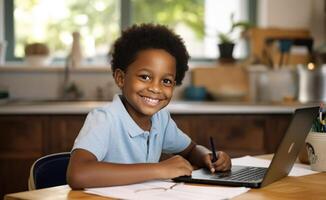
x: 119, y: 77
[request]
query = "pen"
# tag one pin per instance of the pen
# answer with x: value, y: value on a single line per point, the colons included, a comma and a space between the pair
x: 213, y: 149
x: 322, y: 122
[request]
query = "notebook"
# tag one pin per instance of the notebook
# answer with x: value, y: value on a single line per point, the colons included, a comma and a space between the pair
x: 283, y: 160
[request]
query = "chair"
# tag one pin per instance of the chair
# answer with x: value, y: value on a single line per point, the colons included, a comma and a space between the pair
x: 49, y: 171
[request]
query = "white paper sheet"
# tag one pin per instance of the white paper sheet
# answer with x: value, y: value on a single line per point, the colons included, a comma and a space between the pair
x: 297, y: 170
x: 160, y: 190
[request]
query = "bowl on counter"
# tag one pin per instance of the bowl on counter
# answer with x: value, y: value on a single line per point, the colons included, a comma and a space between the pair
x: 228, y: 94
x: 195, y: 93
x: 37, y: 60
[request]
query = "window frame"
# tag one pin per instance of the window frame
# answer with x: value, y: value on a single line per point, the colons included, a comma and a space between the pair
x: 125, y: 21
x: 9, y: 30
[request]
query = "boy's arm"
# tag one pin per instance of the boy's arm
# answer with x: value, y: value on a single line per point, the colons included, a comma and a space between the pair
x: 85, y: 171
x: 200, y: 156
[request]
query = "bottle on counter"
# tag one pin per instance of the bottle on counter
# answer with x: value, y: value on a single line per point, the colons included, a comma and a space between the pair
x: 75, y: 56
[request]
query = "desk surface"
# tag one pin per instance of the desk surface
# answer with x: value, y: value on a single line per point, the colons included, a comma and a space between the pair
x: 304, y: 187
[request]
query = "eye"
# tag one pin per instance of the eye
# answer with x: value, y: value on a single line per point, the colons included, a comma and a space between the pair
x: 168, y: 82
x: 144, y: 77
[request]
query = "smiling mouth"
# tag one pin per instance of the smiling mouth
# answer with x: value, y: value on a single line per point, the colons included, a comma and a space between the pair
x: 151, y: 101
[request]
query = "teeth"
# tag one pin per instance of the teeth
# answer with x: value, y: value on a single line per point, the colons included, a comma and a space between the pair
x: 151, y: 101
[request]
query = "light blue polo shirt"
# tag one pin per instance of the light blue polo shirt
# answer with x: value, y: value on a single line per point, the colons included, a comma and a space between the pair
x: 112, y: 135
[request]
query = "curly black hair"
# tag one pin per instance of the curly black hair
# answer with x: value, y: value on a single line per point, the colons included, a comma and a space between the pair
x: 149, y: 36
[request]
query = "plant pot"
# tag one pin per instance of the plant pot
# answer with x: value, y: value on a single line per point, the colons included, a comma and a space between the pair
x: 37, y: 60
x: 226, y: 51
x: 316, y: 147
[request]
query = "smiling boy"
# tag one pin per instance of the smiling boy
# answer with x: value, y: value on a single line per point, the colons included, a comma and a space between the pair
x: 121, y: 143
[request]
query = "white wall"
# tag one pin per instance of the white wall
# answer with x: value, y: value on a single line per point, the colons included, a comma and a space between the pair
x: 307, y: 14
x: 40, y: 84
x: 285, y: 13
x: 48, y: 84
x: 318, y: 21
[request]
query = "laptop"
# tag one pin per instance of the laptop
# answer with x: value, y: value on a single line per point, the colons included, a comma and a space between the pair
x: 282, y: 162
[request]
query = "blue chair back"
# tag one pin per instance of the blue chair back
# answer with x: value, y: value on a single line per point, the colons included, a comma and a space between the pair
x: 49, y: 171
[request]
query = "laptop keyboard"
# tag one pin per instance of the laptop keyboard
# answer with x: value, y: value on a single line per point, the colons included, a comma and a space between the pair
x: 246, y: 174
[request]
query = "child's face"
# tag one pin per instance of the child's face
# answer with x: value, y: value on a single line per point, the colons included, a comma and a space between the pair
x: 148, y: 82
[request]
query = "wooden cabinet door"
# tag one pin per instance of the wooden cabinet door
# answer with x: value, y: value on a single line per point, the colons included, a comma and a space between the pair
x: 238, y: 135
x: 276, y: 126
x: 63, y: 130
x: 21, y: 143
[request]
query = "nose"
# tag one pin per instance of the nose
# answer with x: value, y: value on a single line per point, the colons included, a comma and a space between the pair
x: 155, y: 87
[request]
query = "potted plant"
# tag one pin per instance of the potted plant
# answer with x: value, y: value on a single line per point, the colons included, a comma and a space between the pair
x: 226, y: 43
x: 315, y: 145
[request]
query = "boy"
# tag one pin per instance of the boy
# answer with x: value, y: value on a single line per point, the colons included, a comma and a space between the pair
x: 121, y: 143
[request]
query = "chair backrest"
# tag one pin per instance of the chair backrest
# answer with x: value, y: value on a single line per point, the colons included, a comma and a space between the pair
x: 49, y: 171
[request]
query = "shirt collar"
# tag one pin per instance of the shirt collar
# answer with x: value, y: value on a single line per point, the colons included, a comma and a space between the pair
x: 133, y: 128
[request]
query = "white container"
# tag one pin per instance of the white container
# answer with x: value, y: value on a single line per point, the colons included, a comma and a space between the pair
x: 277, y: 85
x: 254, y: 72
x: 37, y: 60
x: 312, y: 84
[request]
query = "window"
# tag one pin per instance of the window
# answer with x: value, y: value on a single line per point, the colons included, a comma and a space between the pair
x: 52, y: 22
x: 98, y: 21
x: 197, y: 21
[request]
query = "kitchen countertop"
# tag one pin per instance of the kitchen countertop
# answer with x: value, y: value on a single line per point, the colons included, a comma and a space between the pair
x: 175, y: 107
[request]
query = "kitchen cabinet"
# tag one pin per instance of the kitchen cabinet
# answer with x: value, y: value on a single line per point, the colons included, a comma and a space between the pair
x: 63, y: 129
x: 24, y: 138
x: 20, y: 144
x: 238, y: 135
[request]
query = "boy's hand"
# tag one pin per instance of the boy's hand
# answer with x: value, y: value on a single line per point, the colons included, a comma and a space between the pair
x: 174, y: 167
x: 222, y: 164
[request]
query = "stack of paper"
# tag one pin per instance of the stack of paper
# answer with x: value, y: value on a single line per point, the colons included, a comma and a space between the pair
x: 168, y: 190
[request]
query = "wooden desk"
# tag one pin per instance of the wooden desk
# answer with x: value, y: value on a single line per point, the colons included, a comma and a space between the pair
x: 304, y: 187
